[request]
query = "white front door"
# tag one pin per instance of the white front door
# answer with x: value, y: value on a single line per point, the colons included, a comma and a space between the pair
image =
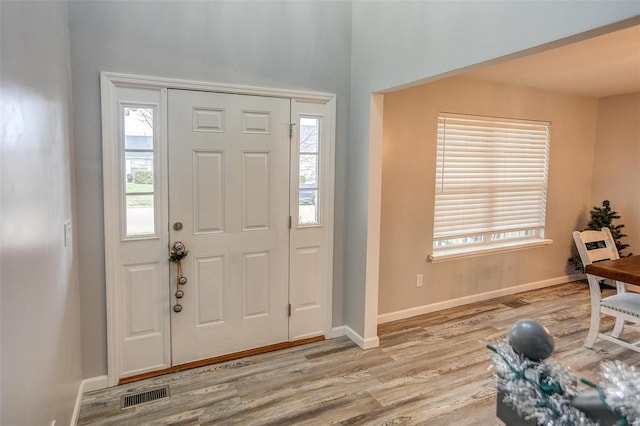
x: 229, y: 205
x: 228, y: 168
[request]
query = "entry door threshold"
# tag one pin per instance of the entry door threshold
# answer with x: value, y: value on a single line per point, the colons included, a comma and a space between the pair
x: 221, y: 358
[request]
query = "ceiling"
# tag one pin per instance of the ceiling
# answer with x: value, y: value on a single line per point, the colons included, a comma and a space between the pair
x: 606, y: 65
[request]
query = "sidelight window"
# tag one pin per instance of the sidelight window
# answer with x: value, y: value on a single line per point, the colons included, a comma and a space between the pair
x: 139, y: 170
x: 308, y: 171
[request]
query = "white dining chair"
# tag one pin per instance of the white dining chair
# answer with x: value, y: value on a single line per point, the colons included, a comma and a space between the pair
x: 624, y: 306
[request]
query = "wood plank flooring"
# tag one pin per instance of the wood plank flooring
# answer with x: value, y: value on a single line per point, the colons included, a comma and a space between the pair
x: 428, y: 370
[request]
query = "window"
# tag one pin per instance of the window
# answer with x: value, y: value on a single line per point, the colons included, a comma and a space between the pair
x: 308, y: 171
x: 139, y: 171
x: 491, y: 183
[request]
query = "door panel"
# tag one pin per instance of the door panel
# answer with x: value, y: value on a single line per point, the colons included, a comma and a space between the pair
x: 208, y: 184
x: 209, y: 287
x: 255, y: 284
x: 256, y: 198
x: 229, y: 187
x: 143, y: 337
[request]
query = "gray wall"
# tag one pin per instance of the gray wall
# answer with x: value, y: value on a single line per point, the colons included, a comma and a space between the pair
x: 305, y: 45
x: 295, y: 45
x: 398, y: 43
x: 40, y: 314
x: 351, y: 49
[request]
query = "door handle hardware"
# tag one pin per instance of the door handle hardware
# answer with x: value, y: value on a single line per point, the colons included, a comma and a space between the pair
x: 176, y: 254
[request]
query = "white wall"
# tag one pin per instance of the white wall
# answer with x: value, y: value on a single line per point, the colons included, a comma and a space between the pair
x: 397, y: 43
x: 40, y: 315
x: 296, y: 45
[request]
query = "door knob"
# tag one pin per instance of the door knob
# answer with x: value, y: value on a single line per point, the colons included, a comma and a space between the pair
x: 178, y: 252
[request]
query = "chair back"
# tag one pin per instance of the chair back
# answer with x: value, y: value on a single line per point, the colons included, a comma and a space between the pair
x: 594, y: 246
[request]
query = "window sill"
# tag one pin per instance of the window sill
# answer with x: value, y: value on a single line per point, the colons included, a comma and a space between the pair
x: 459, y: 253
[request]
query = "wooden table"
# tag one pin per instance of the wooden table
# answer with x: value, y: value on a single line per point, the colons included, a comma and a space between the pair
x: 626, y: 269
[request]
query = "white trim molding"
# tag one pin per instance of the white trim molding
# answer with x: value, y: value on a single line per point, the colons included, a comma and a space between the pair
x: 502, y: 247
x: 174, y: 83
x: 86, y: 385
x: 363, y: 343
x: 336, y: 332
x: 372, y: 272
x: 461, y: 301
x: 114, y: 87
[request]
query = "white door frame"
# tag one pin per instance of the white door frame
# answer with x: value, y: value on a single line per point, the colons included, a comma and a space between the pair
x: 112, y: 85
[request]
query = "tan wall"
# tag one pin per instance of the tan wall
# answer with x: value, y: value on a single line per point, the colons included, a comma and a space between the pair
x: 410, y: 119
x: 616, y: 169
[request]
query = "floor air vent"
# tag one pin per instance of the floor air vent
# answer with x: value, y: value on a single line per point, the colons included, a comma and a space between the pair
x: 144, y: 397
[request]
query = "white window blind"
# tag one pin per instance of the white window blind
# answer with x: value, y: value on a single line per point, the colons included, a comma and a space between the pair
x: 491, y: 180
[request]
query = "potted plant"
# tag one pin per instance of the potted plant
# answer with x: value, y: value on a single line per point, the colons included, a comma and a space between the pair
x: 603, y: 217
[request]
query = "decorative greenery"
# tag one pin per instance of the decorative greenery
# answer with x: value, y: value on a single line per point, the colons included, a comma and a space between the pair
x: 543, y: 392
x: 177, y: 253
x: 540, y: 392
x: 603, y: 217
x: 177, y: 256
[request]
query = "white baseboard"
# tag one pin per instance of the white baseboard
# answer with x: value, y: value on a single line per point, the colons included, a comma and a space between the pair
x: 86, y: 385
x: 446, y: 304
x: 336, y: 332
x: 345, y: 330
x: 94, y: 383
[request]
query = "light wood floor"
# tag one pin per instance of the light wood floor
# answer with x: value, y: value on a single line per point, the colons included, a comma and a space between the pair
x: 430, y: 370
